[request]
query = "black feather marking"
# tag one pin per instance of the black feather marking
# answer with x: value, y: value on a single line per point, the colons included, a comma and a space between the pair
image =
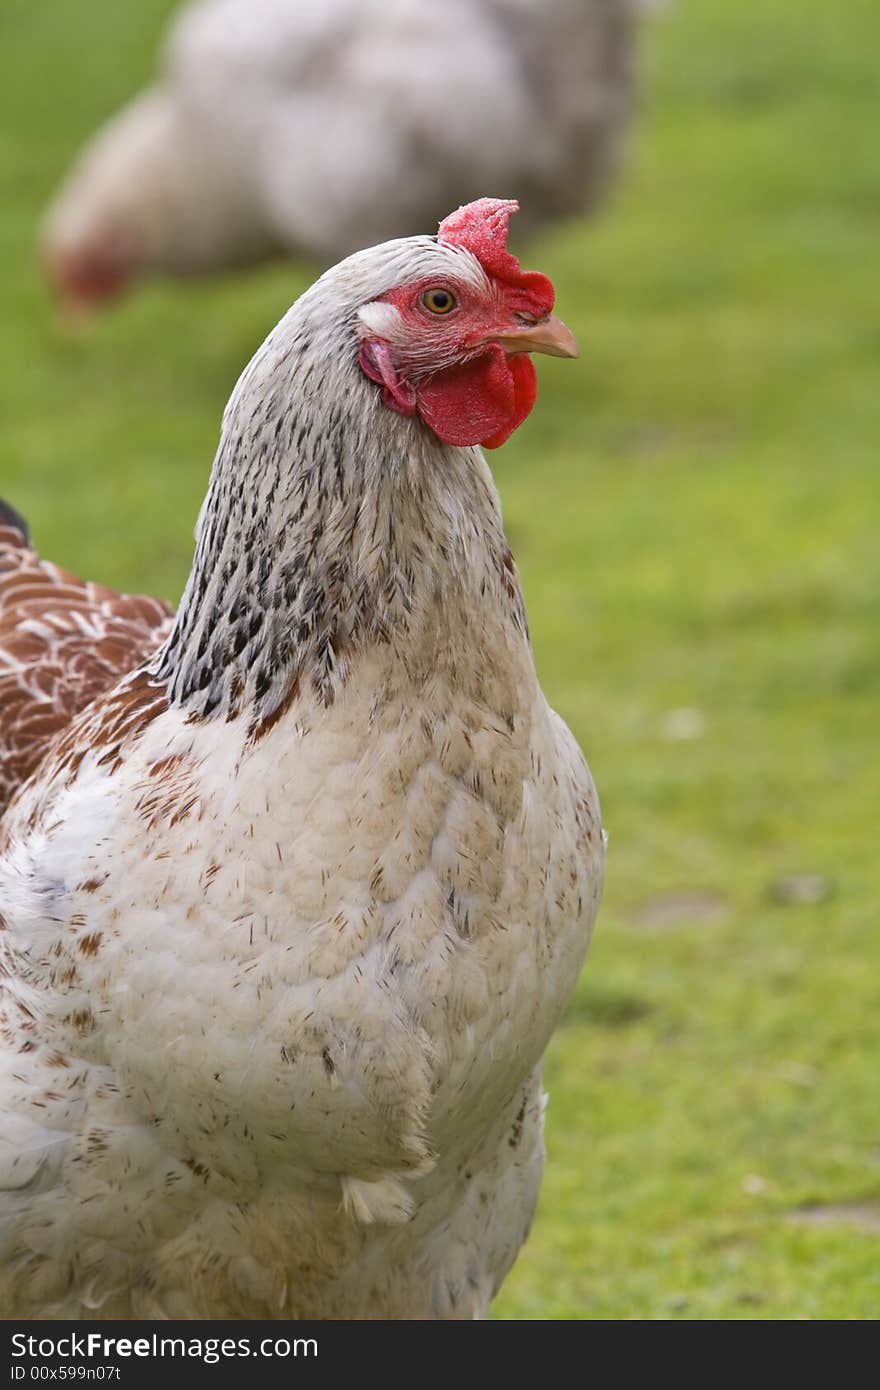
x: 10, y: 517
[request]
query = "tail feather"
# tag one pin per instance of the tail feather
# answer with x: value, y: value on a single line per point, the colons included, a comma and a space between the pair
x: 10, y: 517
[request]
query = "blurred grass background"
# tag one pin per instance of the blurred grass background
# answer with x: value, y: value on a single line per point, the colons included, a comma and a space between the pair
x: 694, y: 508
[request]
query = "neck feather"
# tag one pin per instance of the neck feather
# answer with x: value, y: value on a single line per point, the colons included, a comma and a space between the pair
x: 331, y: 526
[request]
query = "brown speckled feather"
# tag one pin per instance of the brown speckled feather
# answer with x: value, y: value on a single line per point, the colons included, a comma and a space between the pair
x: 62, y: 642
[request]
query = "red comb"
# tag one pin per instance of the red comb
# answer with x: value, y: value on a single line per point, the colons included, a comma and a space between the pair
x: 481, y: 228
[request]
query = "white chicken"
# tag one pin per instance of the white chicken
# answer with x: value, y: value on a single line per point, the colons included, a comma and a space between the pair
x: 292, y: 910
x: 308, y: 127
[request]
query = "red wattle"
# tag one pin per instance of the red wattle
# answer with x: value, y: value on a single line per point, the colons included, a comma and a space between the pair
x: 525, y: 393
x: 480, y: 402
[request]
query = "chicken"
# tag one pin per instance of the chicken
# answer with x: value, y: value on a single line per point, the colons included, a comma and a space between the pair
x: 313, y: 128
x: 292, y: 909
x: 62, y: 643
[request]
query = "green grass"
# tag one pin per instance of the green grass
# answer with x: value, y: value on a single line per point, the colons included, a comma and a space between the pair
x: 694, y: 507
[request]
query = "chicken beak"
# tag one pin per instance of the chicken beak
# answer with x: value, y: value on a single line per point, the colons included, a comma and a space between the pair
x: 549, y: 336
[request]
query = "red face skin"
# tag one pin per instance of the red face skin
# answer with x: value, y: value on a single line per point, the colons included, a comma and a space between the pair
x: 465, y: 372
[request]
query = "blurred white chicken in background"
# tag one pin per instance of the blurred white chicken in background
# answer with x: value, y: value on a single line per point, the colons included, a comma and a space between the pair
x: 315, y: 126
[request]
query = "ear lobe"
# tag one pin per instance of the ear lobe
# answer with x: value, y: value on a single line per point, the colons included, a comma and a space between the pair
x: 377, y: 362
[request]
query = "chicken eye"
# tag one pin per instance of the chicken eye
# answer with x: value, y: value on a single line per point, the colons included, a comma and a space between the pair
x: 438, y: 301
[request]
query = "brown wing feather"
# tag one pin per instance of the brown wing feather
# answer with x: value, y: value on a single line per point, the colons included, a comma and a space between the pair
x: 62, y: 643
